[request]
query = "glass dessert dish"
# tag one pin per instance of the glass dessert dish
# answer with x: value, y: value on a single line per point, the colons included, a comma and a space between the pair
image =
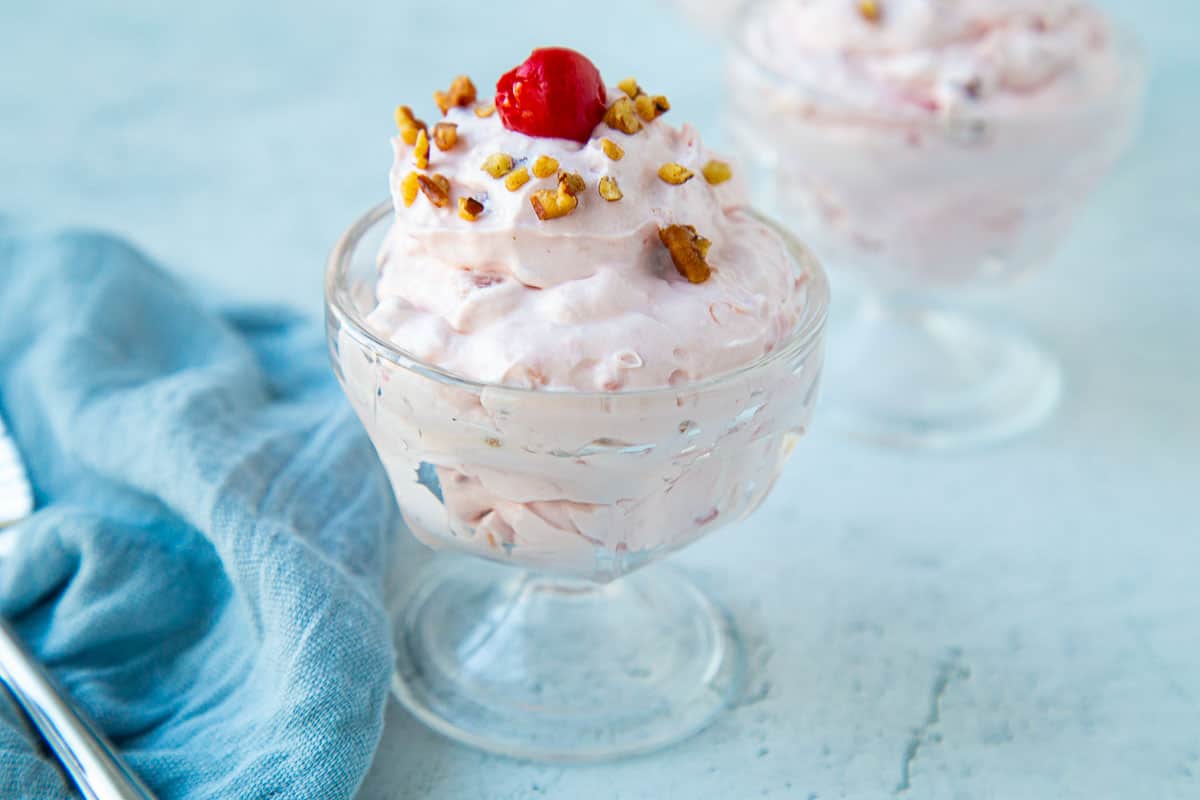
x: 545, y: 646
x: 921, y: 159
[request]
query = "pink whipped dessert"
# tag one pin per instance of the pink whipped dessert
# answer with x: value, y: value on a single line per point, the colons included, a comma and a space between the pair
x: 931, y: 142
x: 601, y: 312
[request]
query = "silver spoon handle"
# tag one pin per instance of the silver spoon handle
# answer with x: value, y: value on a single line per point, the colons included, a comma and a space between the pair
x: 91, y: 761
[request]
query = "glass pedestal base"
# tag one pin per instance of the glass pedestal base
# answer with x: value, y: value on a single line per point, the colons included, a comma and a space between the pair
x: 537, y: 667
x: 917, y: 376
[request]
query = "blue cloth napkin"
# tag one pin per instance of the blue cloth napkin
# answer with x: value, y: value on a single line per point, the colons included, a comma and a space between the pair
x: 205, y: 573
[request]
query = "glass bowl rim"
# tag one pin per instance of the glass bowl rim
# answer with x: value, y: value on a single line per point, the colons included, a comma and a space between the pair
x: 340, y: 308
x: 1127, y: 44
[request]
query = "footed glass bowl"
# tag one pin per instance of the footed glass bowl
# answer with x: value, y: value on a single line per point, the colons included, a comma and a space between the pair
x: 535, y: 649
x: 916, y: 208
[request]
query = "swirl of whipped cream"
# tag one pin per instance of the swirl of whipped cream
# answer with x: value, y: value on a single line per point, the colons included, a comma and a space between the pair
x: 590, y: 301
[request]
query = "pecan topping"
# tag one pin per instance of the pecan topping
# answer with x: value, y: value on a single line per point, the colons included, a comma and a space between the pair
x: 436, y: 188
x: 647, y: 107
x: 409, y: 188
x: 421, y: 150
x: 461, y: 93
x: 445, y: 135
x: 552, y: 204
x: 571, y: 183
x: 408, y: 124
x: 675, y: 174
x: 498, y: 165
x: 544, y: 167
x: 609, y: 189
x: 469, y: 208
x: 716, y: 172
x: 516, y: 179
x: 688, y: 250
x: 630, y: 87
x: 612, y: 149
x: 622, y: 116
x: 650, y: 108
x: 871, y: 11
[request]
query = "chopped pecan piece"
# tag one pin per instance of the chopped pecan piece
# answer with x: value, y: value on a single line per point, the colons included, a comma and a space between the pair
x: 498, y: 165
x: 622, y: 116
x: 612, y: 149
x: 445, y: 135
x: 469, y: 208
x: 436, y: 188
x: 650, y: 108
x: 688, y: 251
x: 716, y: 172
x: 675, y: 174
x: 516, y: 179
x: 421, y: 150
x: 544, y: 167
x: 630, y: 87
x: 408, y: 124
x: 409, y: 188
x: 609, y: 189
x: 485, y: 110
x: 552, y: 203
x: 644, y: 104
x: 404, y: 117
x: 871, y: 11
x: 461, y: 93
x: 571, y: 183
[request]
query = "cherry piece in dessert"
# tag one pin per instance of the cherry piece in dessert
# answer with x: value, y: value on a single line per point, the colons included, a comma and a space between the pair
x: 556, y: 93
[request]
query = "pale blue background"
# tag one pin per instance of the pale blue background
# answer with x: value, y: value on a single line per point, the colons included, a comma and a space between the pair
x: 1021, y: 622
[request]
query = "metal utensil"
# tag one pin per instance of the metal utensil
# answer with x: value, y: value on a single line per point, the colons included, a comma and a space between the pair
x: 84, y: 752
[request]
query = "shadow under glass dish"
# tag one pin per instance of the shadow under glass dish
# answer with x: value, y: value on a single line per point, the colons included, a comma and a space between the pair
x: 915, y: 209
x: 555, y: 643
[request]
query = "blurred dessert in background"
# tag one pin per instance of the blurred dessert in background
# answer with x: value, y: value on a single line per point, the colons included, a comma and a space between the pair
x: 931, y: 142
x: 920, y: 145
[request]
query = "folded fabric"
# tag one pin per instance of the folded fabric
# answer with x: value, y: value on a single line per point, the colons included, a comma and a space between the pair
x: 205, y: 570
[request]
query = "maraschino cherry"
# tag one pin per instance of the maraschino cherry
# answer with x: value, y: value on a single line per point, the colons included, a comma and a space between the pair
x: 556, y: 93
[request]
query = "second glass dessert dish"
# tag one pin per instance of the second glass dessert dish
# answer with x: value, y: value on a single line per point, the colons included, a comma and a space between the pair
x: 923, y: 148
x: 569, y: 374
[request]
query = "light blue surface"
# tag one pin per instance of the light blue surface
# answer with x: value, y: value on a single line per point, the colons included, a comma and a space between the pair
x: 206, y: 573
x: 1020, y: 622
